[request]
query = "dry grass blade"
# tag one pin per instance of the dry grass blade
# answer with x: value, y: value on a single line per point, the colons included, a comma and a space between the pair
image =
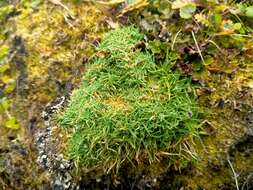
x: 234, y: 173
x: 197, y: 46
x: 59, y: 3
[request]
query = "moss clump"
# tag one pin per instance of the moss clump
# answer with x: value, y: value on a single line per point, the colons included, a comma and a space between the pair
x: 128, y: 108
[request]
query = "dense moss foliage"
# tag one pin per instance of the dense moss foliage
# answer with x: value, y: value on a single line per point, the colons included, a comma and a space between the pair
x: 128, y: 108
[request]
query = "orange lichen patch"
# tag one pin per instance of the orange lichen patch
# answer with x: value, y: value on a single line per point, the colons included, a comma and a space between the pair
x: 60, y: 135
x: 117, y: 103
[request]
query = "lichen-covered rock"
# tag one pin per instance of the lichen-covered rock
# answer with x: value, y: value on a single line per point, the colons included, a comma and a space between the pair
x: 44, y: 48
x: 49, y: 156
x: 41, y: 57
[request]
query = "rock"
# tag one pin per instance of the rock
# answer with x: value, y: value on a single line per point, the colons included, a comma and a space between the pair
x: 48, y: 157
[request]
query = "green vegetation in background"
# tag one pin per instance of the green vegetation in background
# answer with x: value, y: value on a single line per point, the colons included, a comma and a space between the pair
x: 206, y: 28
x: 7, y: 83
x: 128, y: 108
x: 5, y: 11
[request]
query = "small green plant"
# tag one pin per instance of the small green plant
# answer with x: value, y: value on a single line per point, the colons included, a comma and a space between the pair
x: 5, y: 11
x: 128, y: 108
x: 186, y: 9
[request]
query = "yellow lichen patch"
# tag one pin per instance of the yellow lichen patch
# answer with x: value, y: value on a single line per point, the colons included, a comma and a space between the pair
x: 51, y: 37
x: 3, y: 51
x: 226, y: 105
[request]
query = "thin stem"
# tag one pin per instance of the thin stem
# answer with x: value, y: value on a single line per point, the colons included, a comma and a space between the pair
x: 235, y: 174
x: 174, y: 40
x: 197, y: 46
